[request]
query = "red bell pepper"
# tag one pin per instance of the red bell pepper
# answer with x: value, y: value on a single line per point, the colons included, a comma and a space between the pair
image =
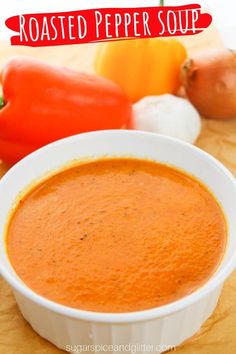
x: 42, y: 103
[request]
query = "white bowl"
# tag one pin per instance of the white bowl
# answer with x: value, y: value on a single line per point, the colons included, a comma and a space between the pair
x: 162, y: 327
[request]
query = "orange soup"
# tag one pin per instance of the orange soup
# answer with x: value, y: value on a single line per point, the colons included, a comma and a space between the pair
x: 116, y: 235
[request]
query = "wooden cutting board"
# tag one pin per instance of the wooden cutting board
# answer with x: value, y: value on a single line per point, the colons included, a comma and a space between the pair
x: 218, y: 138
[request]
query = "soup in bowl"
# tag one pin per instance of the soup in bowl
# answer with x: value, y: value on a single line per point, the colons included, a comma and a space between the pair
x: 109, y: 237
x: 116, y: 235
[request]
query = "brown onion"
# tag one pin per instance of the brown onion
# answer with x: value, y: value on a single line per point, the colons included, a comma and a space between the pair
x: 210, y: 84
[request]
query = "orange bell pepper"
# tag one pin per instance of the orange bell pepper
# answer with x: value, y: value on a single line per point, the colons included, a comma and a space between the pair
x: 142, y: 67
x: 42, y: 103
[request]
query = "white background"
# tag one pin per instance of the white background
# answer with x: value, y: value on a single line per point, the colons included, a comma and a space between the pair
x: 223, y: 11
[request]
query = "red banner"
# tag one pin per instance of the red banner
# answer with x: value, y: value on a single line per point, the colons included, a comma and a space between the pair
x: 86, y: 26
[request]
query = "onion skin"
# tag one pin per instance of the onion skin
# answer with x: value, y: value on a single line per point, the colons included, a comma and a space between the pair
x: 210, y: 84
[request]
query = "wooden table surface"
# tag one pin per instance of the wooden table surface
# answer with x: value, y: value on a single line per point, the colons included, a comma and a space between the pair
x: 218, y: 138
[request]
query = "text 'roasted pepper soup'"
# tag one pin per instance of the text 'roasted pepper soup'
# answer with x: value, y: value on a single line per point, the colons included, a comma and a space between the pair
x: 116, y: 235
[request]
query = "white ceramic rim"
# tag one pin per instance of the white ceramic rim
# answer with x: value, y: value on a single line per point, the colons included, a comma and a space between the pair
x: 127, y: 317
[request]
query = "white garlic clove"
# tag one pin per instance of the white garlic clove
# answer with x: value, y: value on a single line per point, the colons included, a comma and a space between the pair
x: 168, y: 115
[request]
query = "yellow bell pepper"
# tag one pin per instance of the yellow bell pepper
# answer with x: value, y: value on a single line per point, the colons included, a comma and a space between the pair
x: 142, y: 67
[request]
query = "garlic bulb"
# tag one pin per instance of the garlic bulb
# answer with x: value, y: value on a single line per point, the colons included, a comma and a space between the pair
x: 167, y: 115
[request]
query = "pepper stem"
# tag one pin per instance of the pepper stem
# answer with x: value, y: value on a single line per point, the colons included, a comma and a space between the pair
x: 2, y: 103
x: 161, y: 2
